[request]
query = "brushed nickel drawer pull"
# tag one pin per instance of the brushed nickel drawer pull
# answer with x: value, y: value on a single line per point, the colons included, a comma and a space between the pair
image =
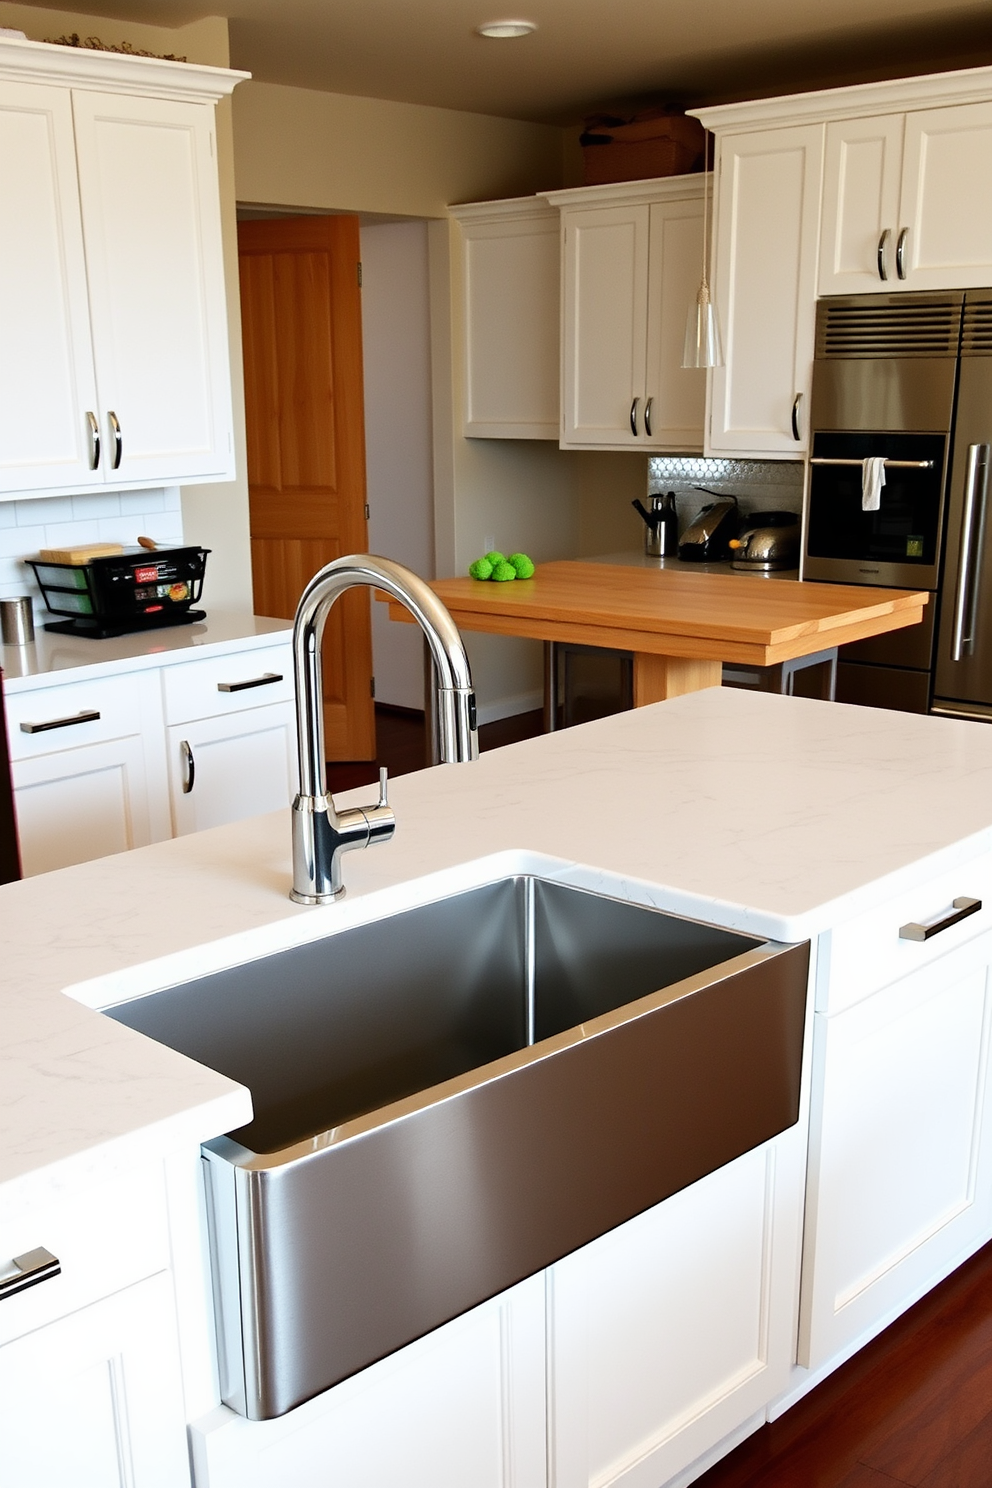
x: 889, y: 464
x: 88, y: 715
x: 118, y: 433
x: 883, y: 242
x: 633, y: 416
x: 265, y: 680
x: 94, y: 440
x: 27, y: 1270
x: 647, y: 417
x: 901, y: 253
x: 962, y: 908
x: 795, y: 417
x: 189, y: 765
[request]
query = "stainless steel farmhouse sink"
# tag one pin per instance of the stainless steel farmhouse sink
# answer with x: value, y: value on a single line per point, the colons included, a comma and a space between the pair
x: 451, y: 1098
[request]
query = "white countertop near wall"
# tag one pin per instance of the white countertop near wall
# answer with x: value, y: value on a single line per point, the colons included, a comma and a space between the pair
x: 775, y: 815
x: 50, y: 655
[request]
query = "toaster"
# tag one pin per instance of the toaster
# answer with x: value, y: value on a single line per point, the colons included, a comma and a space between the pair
x: 708, y: 537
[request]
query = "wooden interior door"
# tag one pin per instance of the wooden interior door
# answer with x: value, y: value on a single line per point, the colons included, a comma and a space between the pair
x: 302, y: 332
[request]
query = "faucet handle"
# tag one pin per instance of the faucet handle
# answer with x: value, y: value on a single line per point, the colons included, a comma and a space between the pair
x: 383, y: 784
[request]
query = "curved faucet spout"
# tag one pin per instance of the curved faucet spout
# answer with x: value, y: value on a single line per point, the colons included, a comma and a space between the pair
x: 320, y: 833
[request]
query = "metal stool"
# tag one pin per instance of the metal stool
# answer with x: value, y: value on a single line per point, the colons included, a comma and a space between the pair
x: 782, y: 678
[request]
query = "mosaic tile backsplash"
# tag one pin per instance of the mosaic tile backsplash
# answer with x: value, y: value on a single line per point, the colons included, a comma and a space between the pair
x: 759, y: 485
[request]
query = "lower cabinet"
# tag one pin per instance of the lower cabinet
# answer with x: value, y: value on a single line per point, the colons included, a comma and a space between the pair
x: 220, y: 766
x: 95, y: 1399
x: 900, y: 1181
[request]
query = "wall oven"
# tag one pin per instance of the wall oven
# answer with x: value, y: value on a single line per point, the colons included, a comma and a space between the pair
x: 884, y: 388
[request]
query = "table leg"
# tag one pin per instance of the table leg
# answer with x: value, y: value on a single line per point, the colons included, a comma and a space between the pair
x: 659, y: 677
x: 550, y: 686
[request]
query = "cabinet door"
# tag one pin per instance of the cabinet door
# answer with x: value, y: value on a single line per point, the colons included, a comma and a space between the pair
x: 946, y: 209
x: 512, y: 337
x: 224, y: 769
x: 81, y: 803
x: 673, y: 1330
x: 95, y: 1400
x: 46, y: 368
x: 861, y: 175
x: 767, y: 228
x: 900, y: 1182
x: 151, y: 223
x: 675, y: 418
x: 604, y: 334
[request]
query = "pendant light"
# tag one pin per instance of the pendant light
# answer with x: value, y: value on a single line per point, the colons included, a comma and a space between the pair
x: 702, y: 346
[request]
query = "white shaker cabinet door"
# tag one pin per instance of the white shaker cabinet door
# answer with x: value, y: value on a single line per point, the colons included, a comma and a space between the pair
x: 95, y: 1400
x: 673, y: 1330
x: 47, y: 386
x: 223, y: 769
x: 81, y: 803
x: 946, y: 208
x: 900, y: 1176
x: 767, y: 229
x: 860, y: 231
x: 675, y: 406
x: 605, y: 306
x: 151, y: 222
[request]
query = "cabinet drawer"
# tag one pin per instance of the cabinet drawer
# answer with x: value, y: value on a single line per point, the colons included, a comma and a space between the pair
x: 867, y: 952
x: 105, y: 1237
x: 227, y: 684
x: 71, y: 715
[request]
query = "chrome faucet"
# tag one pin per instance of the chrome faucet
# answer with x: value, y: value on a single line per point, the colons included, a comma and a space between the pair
x: 320, y: 832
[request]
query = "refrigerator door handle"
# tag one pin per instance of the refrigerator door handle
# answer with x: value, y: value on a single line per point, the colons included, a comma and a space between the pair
x: 972, y: 527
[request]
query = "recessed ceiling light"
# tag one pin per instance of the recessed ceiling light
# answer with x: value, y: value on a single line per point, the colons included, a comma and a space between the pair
x: 504, y: 30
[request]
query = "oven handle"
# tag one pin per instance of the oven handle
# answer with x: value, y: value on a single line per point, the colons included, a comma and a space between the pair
x: 975, y: 486
x: 889, y: 464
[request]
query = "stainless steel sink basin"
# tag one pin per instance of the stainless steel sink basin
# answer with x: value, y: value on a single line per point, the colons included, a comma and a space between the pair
x: 449, y: 1099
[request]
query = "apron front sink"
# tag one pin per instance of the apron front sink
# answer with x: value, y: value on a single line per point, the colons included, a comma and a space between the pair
x: 451, y: 1098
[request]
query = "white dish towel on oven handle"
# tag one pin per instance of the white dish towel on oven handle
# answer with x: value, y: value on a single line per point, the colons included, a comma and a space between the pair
x: 872, y: 481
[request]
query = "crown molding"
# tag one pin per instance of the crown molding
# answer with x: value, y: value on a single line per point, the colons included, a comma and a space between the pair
x: 630, y: 193
x: 510, y: 209
x: 114, y: 72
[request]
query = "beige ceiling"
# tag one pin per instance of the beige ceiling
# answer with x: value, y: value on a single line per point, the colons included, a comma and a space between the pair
x: 585, y: 53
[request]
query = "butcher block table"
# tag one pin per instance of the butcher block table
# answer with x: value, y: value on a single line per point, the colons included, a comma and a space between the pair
x: 680, y: 625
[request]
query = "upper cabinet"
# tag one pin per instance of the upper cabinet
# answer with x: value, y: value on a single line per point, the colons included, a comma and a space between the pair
x: 631, y: 264
x: 116, y: 368
x: 510, y: 296
x: 900, y: 204
x: 766, y: 230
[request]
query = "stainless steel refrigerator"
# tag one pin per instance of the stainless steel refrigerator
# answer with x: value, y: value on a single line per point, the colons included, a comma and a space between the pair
x: 963, y: 674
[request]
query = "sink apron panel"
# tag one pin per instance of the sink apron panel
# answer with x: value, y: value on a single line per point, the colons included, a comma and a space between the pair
x: 341, y: 1251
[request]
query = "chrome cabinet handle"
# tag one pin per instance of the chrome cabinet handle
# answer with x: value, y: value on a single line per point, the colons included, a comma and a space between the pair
x: 189, y: 766
x: 901, y: 253
x: 115, y: 429
x: 94, y: 439
x: 883, y: 243
x: 972, y: 520
x: 889, y: 464
x: 88, y: 715
x: 633, y: 416
x: 961, y: 909
x: 647, y: 417
x: 27, y: 1270
x: 265, y: 680
x: 795, y: 417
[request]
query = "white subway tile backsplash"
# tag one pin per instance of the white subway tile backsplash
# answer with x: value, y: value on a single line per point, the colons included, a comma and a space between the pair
x: 8, y: 513
x: 173, y: 498
x: 40, y: 513
x: 136, y: 503
x: 64, y: 534
x: 96, y: 504
x: 15, y: 542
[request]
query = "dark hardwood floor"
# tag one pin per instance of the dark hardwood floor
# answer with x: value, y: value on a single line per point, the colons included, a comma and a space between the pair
x: 913, y: 1408
x: 400, y: 746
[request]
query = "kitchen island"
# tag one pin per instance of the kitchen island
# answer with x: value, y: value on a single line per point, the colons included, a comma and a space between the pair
x: 876, y: 821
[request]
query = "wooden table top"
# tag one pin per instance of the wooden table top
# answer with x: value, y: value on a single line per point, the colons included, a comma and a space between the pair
x: 675, y: 612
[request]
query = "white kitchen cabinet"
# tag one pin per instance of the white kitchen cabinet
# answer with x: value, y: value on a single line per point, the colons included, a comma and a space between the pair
x: 115, y: 344
x: 900, y: 207
x: 105, y: 764
x: 90, y: 1380
x: 511, y: 274
x: 672, y: 1331
x: 632, y: 259
x: 900, y: 1165
x: 463, y: 1406
x: 766, y: 239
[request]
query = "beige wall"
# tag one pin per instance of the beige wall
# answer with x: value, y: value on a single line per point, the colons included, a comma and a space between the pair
x: 330, y: 152
x: 215, y: 515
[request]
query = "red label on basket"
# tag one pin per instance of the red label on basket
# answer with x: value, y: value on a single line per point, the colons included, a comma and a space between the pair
x: 145, y: 575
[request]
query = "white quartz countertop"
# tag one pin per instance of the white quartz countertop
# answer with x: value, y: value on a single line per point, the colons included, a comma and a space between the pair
x: 775, y: 815
x: 50, y: 655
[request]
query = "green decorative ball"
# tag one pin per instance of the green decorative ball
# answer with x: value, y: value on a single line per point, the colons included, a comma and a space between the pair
x: 502, y: 572
x: 480, y: 569
x: 496, y: 557
x: 522, y: 564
